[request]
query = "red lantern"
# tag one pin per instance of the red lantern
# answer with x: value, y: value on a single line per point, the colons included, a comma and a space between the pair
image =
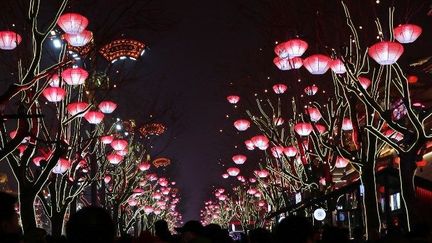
x: 285, y: 64
x: 347, y: 124
x: 290, y: 151
x: 241, y: 178
x: 157, y: 196
x: 321, y: 128
x: 412, y: 79
x: 148, y: 210
x: 233, y: 99
x: 314, y: 114
x: 422, y: 163
x: 249, y: 145
x: 341, y: 162
x: 279, y: 88
x: 9, y: 40
x: 107, y: 107
x: 107, y: 139
x: 94, y: 117
x: 277, y: 151
x: 239, y: 159
x: 119, y: 144
x: 114, y: 158
x: 386, y: 52
x: 242, y: 125
x: 311, y: 90
x: 364, y: 82
x: 233, y: 171
x: 80, y: 39
x: 132, y: 202
x: 76, y: 108
x: 291, y: 48
x: 62, y: 166
x: 303, y: 128
x: 407, y: 33
x: 225, y: 176
x: 54, y: 94
x: 337, y: 66
x: 317, y: 64
x: 262, y: 173
x: 122, y: 152
x: 37, y: 160
x: 144, y: 166
x: 107, y: 179
x: 54, y: 81
x: 260, y: 141
x: 74, y: 76
x: 72, y: 23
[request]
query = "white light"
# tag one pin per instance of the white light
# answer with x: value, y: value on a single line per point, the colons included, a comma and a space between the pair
x: 142, y: 53
x: 319, y: 214
x: 122, y: 57
x: 53, y: 32
x: 118, y: 127
x: 113, y: 61
x: 57, y: 43
x: 132, y: 58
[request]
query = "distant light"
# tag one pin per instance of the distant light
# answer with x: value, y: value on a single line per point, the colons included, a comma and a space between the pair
x: 113, y: 61
x: 57, y: 43
x: 126, y: 133
x: 122, y: 57
x: 142, y: 53
x: 53, y: 32
x: 132, y: 58
x: 118, y: 127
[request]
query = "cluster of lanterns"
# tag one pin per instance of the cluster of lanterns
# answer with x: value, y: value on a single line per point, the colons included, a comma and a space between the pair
x: 74, y: 25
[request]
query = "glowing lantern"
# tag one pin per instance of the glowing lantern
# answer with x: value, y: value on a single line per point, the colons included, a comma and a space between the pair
x: 277, y: 151
x: 251, y: 191
x: 241, y: 178
x: 311, y: 90
x: 341, y: 162
x: 291, y: 48
x: 314, y: 114
x: 386, y: 52
x: 303, y: 128
x: 295, y: 63
x: 157, y: 196
x: 422, y: 163
x: 393, y: 135
x: 364, y: 82
x: 72, y: 23
x: 412, y: 79
x: 119, y: 144
x: 242, y: 125
x: 107, y: 107
x: 261, y: 203
x: 278, y: 121
x: 107, y: 179
x: 62, y: 166
x: 249, y: 145
x: 143, y: 166
x: 225, y: 175
x: 290, y: 151
x: 322, y: 181
x: 94, y: 117
x: 260, y: 141
x: 347, y: 124
x: 239, y: 159
x: 122, y: 152
x: 107, y: 139
x: 233, y: 99
x: 321, y: 128
x: 317, y: 64
x: 288, y: 64
x: 114, y: 159
x: 407, y: 33
x: 233, y: 171
x: 54, y: 94
x: 262, y: 173
x: 74, y: 76
x: 337, y: 66
x: 222, y: 197
x: 37, y: 160
x: 148, y: 209
x: 54, y: 81
x: 76, y: 108
x: 279, y: 88
x: 9, y: 40
x: 132, y: 202
x: 80, y: 39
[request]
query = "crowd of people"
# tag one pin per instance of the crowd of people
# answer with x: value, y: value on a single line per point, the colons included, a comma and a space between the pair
x: 94, y: 225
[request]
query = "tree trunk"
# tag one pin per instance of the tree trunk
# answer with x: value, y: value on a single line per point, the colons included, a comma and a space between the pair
x: 57, y: 221
x: 407, y: 172
x: 27, y: 212
x: 370, y: 210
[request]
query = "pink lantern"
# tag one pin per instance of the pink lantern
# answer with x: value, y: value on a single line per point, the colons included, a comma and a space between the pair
x: 303, y: 128
x: 322, y: 181
x: 222, y: 197
x: 94, y: 117
x: 290, y: 151
x: 54, y: 94
x: 107, y: 139
x: 311, y: 90
x: 62, y: 166
x: 249, y: 145
x: 285, y: 64
x: 295, y: 62
x: 9, y: 40
x: 107, y: 107
x: 148, y: 209
x: 144, y: 166
x: 233, y: 171
x: 241, y: 178
x: 54, y: 81
x: 407, y: 33
x: 337, y: 66
x: 317, y: 64
x: 37, y: 160
x: 260, y: 141
x: 74, y: 76
x: 233, y: 99
x: 119, y: 144
x: 225, y: 175
x: 321, y: 128
x: 239, y: 159
x: 132, y: 202
x: 157, y: 196
x: 80, y: 39
x: 386, y: 52
x: 242, y: 125
x: 114, y: 159
x: 291, y: 48
x: 261, y: 203
x: 279, y: 88
x: 122, y: 152
x: 347, y: 124
x: 76, y: 108
x: 72, y: 23
x: 314, y: 114
x: 262, y: 173
x: 277, y: 151
x: 341, y: 162
x: 251, y: 191
x: 364, y: 82
x: 107, y: 179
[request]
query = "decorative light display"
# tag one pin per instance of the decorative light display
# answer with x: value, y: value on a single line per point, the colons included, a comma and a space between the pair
x: 225, y: 176
x: 107, y: 139
x: 303, y: 129
x: 114, y: 159
x: 233, y: 171
x: 278, y: 121
x: 62, y: 166
x: 260, y: 141
x: 233, y: 99
x: 290, y: 151
x: 317, y: 64
x: 152, y: 129
x: 277, y: 151
x: 239, y: 159
x: 347, y: 124
x: 321, y: 128
x: 249, y: 145
x: 161, y: 162
x: 72, y: 23
x: 407, y: 33
x: 262, y: 173
x: 74, y: 76
x: 79, y: 39
x: 319, y: 214
x: 314, y: 114
x: 54, y: 94
x: 386, y: 52
x: 279, y: 88
x: 337, y: 66
x: 54, y: 81
x: 364, y: 82
x: 107, y: 107
x: 107, y: 179
x: 341, y: 162
x: 94, y: 117
x: 76, y: 108
x: 119, y: 144
x: 291, y: 48
x: 9, y: 40
x: 311, y: 90
x: 144, y: 166
x: 242, y: 124
x: 122, y: 48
